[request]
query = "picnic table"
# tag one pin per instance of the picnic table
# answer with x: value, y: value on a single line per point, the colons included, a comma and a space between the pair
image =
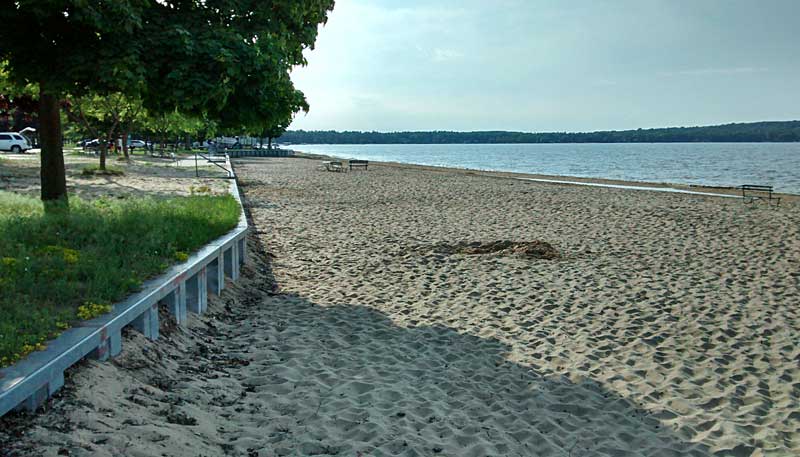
x: 333, y: 165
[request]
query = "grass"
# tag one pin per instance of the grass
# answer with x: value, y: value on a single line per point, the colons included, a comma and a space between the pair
x: 56, y: 269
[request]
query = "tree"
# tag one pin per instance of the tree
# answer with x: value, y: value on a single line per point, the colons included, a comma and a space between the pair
x: 133, y: 114
x: 751, y: 132
x: 277, y: 123
x: 68, y: 46
x: 174, y: 125
x: 230, y: 64
x: 105, y: 117
x: 176, y: 54
x: 264, y: 111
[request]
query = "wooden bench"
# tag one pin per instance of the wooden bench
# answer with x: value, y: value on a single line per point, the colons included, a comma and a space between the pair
x: 359, y: 163
x: 333, y: 166
x: 753, y: 192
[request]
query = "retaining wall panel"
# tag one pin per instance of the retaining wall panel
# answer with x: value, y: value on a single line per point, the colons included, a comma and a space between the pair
x: 216, y: 276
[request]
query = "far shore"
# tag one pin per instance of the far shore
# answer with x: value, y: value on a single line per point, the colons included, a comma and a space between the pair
x: 577, y: 179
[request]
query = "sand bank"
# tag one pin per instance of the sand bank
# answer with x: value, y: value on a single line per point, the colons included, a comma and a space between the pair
x: 667, y: 325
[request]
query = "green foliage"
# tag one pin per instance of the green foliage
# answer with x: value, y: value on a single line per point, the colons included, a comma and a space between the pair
x: 263, y: 110
x: 9, y: 89
x: 788, y: 131
x: 230, y: 63
x: 95, y: 254
x: 15, y: 205
x: 72, y: 46
x: 91, y: 310
x: 101, y: 116
x: 175, y: 123
x: 19, y: 102
x: 199, y: 190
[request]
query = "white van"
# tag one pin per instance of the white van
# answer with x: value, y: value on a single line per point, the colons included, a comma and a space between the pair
x: 14, y: 142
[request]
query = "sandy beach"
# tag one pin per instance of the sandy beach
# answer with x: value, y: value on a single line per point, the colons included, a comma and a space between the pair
x: 414, y: 311
x: 150, y: 176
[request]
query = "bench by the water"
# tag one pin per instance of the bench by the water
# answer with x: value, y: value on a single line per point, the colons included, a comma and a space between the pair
x: 753, y: 192
x: 359, y: 163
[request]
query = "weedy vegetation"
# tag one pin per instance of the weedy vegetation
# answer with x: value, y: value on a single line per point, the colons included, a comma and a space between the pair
x: 57, y: 269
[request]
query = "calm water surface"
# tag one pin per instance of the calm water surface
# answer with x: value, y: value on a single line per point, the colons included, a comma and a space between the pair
x: 713, y: 164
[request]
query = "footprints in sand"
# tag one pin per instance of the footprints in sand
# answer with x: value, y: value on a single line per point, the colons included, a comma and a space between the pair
x: 681, y: 305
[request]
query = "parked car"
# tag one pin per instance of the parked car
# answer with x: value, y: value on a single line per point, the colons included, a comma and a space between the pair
x: 133, y: 144
x: 87, y: 144
x: 95, y: 144
x: 14, y: 142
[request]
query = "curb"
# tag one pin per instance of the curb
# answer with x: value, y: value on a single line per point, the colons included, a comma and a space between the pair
x: 184, y: 287
x: 236, y: 153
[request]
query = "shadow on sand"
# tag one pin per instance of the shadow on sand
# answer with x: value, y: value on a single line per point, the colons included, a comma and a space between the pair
x: 347, y: 380
x: 278, y: 375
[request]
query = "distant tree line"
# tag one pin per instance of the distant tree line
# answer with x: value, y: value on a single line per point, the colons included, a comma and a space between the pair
x: 788, y: 131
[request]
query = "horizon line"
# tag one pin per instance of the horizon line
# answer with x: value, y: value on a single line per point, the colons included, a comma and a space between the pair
x: 548, y: 132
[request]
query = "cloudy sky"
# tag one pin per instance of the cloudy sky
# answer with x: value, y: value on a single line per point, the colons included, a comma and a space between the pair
x: 552, y: 65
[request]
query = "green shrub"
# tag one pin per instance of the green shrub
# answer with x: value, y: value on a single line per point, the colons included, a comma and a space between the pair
x: 199, y: 190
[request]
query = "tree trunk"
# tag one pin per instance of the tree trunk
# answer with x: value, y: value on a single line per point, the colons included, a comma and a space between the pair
x: 111, y: 138
x: 53, y: 176
x: 125, y: 133
x: 269, y: 143
x: 103, y: 146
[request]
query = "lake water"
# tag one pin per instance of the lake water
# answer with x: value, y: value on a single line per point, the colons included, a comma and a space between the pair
x: 712, y: 164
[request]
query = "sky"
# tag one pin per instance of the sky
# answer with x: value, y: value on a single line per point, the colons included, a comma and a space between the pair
x: 551, y: 65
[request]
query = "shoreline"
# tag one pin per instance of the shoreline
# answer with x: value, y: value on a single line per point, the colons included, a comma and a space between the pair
x: 686, y: 189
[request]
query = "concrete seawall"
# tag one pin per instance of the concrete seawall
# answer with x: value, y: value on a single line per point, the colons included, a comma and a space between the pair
x: 235, y: 153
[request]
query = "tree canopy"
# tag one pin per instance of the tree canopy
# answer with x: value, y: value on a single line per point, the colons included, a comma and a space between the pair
x: 73, y: 46
x: 227, y: 61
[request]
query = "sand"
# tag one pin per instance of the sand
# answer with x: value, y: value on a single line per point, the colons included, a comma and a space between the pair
x: 151, y: 176
x: 389, y: 312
